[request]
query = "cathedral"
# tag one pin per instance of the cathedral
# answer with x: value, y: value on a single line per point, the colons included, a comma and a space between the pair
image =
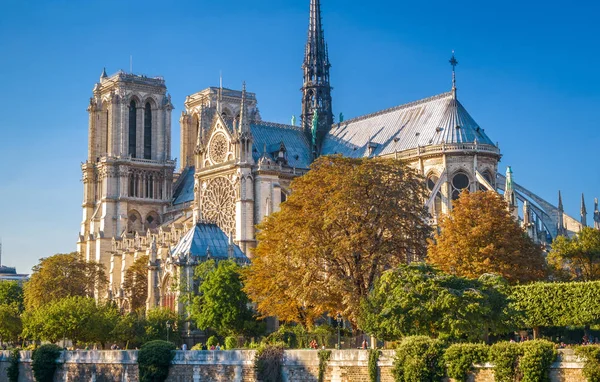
x: 235, y: 169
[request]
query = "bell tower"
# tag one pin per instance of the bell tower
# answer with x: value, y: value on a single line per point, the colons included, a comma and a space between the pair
x: 317, y: 114
x: 128, y: 174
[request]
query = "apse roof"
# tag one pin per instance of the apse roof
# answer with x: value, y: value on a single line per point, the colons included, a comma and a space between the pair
x: 204, y: 239
x: 431, y: 121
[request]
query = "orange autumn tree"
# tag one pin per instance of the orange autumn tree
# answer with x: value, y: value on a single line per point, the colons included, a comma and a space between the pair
x: 346, y: 221
x: 480, y: 236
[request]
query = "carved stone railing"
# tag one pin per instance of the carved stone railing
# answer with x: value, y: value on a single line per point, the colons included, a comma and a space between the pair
x: 448, y: 148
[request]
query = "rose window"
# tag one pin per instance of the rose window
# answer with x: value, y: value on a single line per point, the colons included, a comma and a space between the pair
x: 218, y: 149
x: 218, y: 204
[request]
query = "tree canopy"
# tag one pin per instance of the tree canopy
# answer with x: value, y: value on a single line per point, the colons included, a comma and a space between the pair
x: 480, y: 236
x: 346, y: 221
x: 221, y: 304
x: 64, y: 275
x: 76, y: 318
x: 577, y: 258
x: 11, y: 292
x: 417, y: 299
x: 135, y: 283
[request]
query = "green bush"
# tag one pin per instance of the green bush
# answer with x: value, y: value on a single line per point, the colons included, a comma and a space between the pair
x: 230, y: 343
x: 267, y: 363
x: 324, y: 356
x: 419, y: 359
x: 536, y: 360
x: 212, y: 341
x: 505, y: 357
x: 461, y: 357
x: 591, y: 366
x: 198, y: 346
x: 154, y: 360
x: 43, y: 362
x: 373, y: 360
x: 12, y: 371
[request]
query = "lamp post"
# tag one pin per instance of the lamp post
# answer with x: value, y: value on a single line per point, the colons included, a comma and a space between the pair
x: 168, y: 329
x: 339, y: 323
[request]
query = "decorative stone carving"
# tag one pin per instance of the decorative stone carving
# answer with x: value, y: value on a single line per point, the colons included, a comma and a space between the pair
x: 218, y: 203
x: 217, y: 150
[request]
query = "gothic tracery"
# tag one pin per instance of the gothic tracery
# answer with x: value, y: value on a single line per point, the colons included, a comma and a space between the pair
x: 218, y: 203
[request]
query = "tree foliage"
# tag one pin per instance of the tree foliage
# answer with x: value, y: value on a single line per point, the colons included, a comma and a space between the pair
x: 346, y: 221
x: 76, y: 318
x: 480, y: 236
x: 558, y: 304
x: 130, y: 330
x: 64, y: 275
x: 221, y: 304
x: 577, y: 258
x: 10, y: 322
x: 43, y: 362
x: 419, y: 359
x: 135, y: 283
x: 460, y: 359
x: 156, y: 325
x: 417, y: 299
x: 154, y: 360
x: 11, y: 292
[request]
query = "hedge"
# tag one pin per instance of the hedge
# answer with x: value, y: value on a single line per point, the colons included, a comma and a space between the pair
x: 43, y: 362
x: 591, y: 356
x: 460, y: 359
x: 419, y: 359
x: 154, y: 360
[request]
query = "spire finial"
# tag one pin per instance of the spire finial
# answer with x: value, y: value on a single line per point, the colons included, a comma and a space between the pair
x: 103, y: 75
x: 453, y: 62
x: 583, y: 211
x: 243, y: 126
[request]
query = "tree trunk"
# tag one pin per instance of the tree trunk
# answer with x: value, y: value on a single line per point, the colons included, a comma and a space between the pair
x: 373, y: 342
x: 536, y: 332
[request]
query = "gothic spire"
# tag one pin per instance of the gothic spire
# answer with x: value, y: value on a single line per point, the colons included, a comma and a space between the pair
x: 560, y: 203
x: 244, y: 125
x: 583, y: 212
x: 453, y: 62
x: 561, y: 222
x: 316, y: 88
x: 509, y: 193
x: 103, y: 75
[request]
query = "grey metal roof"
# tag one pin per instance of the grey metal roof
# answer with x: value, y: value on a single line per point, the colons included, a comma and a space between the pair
x: 205, y: 238
x: 272, y: 134
x: 184, y: 188
x: 431, y: 121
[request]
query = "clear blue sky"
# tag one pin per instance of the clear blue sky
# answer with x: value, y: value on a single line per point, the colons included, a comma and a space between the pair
x: 528, y: 74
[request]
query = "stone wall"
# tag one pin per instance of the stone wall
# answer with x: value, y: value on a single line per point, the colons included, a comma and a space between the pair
x: 237, y: 366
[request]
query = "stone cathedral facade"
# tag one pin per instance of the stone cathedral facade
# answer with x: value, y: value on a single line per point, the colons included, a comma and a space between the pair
x: 235, y: 169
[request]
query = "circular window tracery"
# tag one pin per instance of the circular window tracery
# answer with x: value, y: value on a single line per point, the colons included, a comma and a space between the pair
x: 460, y: 182
x: 218, y: 203
x: 218, y: 149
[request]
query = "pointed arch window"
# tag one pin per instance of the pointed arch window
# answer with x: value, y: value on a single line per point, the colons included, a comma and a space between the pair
x: 132, y: 128
x: 147, y: 131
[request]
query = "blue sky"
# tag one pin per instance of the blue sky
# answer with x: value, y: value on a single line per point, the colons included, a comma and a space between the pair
x: 528, y: 74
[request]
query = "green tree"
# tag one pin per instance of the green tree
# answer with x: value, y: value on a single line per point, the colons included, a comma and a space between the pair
x: 64, y: 275
x: 135, y: 283
x: 156, y: 325
x: 77, y: 318
x: 130, y: 330
x: 577, y: 258
x: 346, y: 221
x: 10, y: 322
x: 11, y: 292
x: 416, y: 299
x: 222, y: 305
x: 480, y: 236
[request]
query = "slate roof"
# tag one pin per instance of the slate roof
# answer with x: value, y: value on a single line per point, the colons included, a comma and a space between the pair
x: 272, y: 134
x: 184, y: 188
x: 206, y: 238
x: 431, y: 121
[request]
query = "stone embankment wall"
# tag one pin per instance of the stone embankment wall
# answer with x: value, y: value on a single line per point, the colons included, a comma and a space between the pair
x: 237, y: 366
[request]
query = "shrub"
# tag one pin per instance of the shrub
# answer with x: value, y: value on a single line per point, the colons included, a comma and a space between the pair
x: 198, y: 346
x: 461, y: 357
x: 591, y: 366
x: 373, y: 359
x: 536, y: 360
x: 212, y: 341
x: 12, y: 371
x: 324, y: 356
x: 154, y: 360
x: 267, y: 363
x: 43, y: 362
x: 419, y: 359
x: 505, y: 357
x: 230, y: 343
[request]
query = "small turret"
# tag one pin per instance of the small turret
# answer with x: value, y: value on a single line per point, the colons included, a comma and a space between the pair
x: 560, y: 225
x: 509, y: 194
x: 103, y: 75
x: 583, y: 212
x: 596, y: 214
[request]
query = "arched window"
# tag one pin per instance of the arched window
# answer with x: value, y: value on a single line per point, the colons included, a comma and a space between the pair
x: 436, y: 209
x: 134, y: 222
x: 283, y: 196
x: 460, y: 181
x: 132, y: 128
x: 152, y: 220
x: 148, y: 131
